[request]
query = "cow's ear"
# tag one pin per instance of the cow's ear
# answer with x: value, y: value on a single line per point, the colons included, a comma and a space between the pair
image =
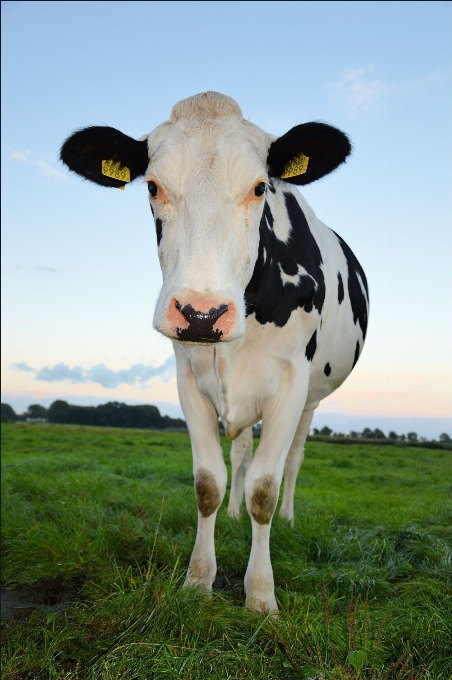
x: 105, y: 155
x: 307, y: 152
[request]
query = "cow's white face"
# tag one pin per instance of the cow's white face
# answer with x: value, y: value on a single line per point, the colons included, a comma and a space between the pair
x: 206, y: 169
x: 207, y: 184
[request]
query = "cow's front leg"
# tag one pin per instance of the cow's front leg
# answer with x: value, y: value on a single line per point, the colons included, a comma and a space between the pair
x: 262, y: 483
x: 241, y: 454
x: 292, y: 465
x: 210, y: 477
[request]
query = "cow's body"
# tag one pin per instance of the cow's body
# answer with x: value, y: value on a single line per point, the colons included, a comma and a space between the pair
x: 266, y: 306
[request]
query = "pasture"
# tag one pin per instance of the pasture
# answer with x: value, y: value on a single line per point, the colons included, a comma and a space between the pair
x: 99, y: 524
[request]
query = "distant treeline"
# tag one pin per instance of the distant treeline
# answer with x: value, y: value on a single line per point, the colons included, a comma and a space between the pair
x: 112, y: 414
x: 378, y: 437
x: 146, y: 416
x: 367, y: 433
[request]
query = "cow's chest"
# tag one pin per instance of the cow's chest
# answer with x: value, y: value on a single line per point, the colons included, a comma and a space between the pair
x: 240, y: 378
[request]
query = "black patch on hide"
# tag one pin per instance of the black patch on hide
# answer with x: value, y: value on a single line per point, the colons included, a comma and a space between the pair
x: 84, y: 151
x: 266, y: 295
x: 324, y: 145
x: 327, y: 369
x: 340, y: 288
x: 158, y: 229
x: 356, y: 357
x: 200, y: 327
x: 311, y: 347
x: 358, y: 301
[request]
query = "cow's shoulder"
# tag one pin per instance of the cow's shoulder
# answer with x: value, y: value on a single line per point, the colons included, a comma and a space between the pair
x: 288, y: 273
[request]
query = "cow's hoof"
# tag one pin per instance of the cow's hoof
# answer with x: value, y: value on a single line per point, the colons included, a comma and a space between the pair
x: 265, y: 607
x: 197, y: 578
x: 287, y: 515
x: 200, y: 573
x: 202, y: 586
x: 234, y: 511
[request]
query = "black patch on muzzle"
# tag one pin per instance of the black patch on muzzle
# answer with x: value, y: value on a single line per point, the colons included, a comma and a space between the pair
x: 200, y: 327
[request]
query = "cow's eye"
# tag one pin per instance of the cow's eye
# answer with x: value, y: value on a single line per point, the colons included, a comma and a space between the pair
x: 259, y: 189
x: 153, y: 189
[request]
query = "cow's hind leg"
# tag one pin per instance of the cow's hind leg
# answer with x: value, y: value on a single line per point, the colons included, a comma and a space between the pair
x: 241, y: 455
x: 293, y: 462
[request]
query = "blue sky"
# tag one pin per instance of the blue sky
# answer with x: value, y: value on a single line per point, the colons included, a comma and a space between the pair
x: 79, y: 265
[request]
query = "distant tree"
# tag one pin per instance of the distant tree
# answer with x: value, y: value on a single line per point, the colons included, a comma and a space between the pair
x: 402, y: 437
x: 173, y: 423
x: 326, y: 431
x: 354, y: 435
x: 367, y: 433
x: 59, y: 412
x: 442, y: 437
x: 316, y: 431
x: 339, y: 434
x: 8, y: 413
x: 37, y: 411
x: 412, y: 437
x: 378, y: 434
x: 393, y: 435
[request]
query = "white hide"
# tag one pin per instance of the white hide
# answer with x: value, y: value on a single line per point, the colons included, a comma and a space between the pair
x: 206, y: 167
x: 206, y: 161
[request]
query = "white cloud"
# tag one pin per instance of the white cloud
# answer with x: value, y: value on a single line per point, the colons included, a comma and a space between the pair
x: 23, y: 367
x: 102, y: 375
x: 356, y: 91
x: 29, y: 158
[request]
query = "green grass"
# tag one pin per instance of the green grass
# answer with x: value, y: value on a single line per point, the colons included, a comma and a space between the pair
x: 108, y: 516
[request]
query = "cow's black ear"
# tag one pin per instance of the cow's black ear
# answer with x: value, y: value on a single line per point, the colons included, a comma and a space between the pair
x: 307, y: 152
x: 105, y: 155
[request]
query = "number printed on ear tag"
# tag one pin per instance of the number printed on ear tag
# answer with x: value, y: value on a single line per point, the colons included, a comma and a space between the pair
x: 297, y: 166
x: 116, y: 170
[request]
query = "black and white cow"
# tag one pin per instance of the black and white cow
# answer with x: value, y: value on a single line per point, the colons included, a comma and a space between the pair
x: 266, y: 306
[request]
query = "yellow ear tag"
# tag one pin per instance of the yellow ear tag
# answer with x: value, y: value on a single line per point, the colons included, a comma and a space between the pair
x: 297, y: 166
x: 117, y: 171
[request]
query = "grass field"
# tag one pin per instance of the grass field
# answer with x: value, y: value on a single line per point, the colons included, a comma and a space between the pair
x: 98, y: 526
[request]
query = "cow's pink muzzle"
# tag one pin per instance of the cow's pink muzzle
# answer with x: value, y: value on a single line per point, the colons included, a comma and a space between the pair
x: 193, y: 317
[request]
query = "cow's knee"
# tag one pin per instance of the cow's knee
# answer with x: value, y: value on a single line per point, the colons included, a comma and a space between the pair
x: 208, y: 495
x: 264, y: 496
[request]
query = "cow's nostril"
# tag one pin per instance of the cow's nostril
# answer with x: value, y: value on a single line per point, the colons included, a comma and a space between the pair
x: 191, y: 314
x: 200, y: 324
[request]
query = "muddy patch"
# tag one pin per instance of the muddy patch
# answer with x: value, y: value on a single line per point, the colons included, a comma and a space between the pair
x: 47, y: 595
x: 231, y: 585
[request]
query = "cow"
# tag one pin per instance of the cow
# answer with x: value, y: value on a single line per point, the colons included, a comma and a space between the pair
x: 267, y: 307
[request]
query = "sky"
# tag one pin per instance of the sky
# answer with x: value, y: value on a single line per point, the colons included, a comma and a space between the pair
x: 80, y: 271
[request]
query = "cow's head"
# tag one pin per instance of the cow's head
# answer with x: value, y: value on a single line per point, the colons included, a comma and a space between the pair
x: 207, y: 171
